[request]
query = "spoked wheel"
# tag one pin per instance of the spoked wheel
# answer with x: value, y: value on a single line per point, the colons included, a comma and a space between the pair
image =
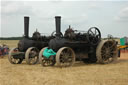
x: 94, y: 35
x: 31, y: 55
x: 106, y: 51
x: 46, y: 61
x: 65, y: 57
x: 14, y: 59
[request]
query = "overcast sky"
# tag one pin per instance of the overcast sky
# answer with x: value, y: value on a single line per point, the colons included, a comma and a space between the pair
x: 111, y: 17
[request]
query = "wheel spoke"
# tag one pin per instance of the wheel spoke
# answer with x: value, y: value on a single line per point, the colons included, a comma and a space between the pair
x: 13, y: 58
x: 94, y: 35
x: 46, y: 61
x: 31, y: 55
x: 95, y: 31
x: 108, y: 52
x: 92, y: 32
x: 65, y: 57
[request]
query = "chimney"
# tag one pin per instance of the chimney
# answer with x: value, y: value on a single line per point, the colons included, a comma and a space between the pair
x: 26, y: 26
x: 58, y: 25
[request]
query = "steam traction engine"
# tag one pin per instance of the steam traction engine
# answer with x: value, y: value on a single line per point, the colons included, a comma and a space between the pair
x: 28, y: 47
x: 76, y: 45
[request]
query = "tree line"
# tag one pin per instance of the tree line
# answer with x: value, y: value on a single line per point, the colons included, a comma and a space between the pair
x: 11, y: 38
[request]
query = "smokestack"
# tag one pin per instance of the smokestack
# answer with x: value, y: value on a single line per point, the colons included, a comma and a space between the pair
x: 58, y: 25
x: 26, y: 26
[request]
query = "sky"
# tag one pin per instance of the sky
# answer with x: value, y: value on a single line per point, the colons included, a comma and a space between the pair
x: 111, y: 17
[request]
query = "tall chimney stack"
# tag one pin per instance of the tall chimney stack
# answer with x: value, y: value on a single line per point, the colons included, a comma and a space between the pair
x: 58, y: 25
x: 26, y: 26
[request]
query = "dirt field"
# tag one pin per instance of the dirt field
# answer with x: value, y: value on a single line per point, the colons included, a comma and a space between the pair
x: 79, y: 74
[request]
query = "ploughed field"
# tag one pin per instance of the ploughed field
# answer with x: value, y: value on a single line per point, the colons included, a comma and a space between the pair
x: 79, y: 74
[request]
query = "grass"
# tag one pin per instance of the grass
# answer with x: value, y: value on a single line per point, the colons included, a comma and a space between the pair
x: 79, y: 74
x: 10, y: 43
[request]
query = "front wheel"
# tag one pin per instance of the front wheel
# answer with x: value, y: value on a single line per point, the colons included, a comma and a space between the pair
x: 13, y: 59
x: 46, y: 61
x: 31, y: 55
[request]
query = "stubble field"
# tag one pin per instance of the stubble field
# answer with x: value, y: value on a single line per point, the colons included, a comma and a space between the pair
x: 79, y: 74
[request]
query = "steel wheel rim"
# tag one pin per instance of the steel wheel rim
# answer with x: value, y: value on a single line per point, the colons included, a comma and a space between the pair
x: 65, y: 57
x: 11, y: 58
x: 45, y: 61
x: 106, y: 51
x: 31, y: 55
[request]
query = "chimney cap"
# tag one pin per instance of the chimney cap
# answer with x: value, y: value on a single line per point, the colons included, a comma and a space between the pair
x: 26, y: 16
x: 57, y: 16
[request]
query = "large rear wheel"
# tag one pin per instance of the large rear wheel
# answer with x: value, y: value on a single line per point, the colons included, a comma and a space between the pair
x: 106, y: 51
x: 65, y: 57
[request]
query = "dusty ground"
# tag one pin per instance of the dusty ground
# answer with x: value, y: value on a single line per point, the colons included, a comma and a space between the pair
x: 79, y: 74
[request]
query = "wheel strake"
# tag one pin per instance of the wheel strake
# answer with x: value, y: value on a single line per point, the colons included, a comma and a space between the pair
x: 65, y: 57
x: 11, y: 58
x: 46, y: 61
x: 31, y: 55
x: 106, y: 51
